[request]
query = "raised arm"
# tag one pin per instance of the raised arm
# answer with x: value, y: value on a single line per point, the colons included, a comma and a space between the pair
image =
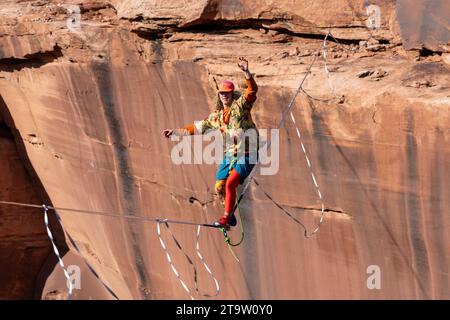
x: 252, y: 88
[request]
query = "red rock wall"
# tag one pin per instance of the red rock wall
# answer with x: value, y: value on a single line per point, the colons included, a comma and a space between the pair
x: 376, y: 177
x: 91, y: 113
x: 424, y: 24
x: 24, y: 246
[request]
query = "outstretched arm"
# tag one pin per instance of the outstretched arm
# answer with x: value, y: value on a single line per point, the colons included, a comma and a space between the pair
x: 177, y: 132
x: 198, y: 127
x: 185, y: 131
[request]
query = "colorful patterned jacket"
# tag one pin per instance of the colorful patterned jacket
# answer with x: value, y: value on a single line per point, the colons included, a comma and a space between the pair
x: 230, y: 120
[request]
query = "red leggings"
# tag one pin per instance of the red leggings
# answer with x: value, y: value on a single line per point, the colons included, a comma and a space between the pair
x: 232, y: 183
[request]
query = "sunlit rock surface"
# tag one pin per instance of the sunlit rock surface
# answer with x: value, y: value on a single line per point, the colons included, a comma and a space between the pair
x: 87, y: 104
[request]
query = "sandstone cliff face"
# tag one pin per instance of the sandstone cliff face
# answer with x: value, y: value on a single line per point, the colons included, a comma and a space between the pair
x: 88, y: 105
x: 24, y: 246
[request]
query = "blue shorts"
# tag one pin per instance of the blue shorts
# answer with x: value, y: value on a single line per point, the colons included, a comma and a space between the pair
x: 242, y: 166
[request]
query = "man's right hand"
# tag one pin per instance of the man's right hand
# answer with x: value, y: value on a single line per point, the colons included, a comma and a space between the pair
x: 167, y: 133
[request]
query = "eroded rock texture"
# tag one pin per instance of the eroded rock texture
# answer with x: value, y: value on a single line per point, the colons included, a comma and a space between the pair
x: 24, y: 246
x: 88, y: 103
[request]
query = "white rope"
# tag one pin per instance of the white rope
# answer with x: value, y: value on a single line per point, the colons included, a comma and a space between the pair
x: 289, y: 109
x: 55, y: 249
x: 313, y: 179
x: 327, y: 73
x: 169, y: 259
x: 280, y: 124
x: 77, y: 249
x: 177, y: 274
x: 197, y: 248
x: 324, y: 54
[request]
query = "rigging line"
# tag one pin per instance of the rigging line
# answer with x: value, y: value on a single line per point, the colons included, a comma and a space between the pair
x: 290, y: 215
x: 317, y: 99
x: 324, y: 55
x: 190, y: 261
x: 208, y: 269
x: 56, y: 251
x: 61, y: 263
x: 74, y: 244
x: 342, y: 46
x: 313, y: 179
x: 110, y: 214
x: 281, y: 207
x: 169, y: 259
x: 327, y: 72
